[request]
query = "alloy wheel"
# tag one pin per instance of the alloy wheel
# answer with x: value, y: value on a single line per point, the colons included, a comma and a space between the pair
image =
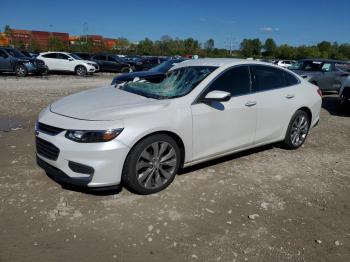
x: 299, y: 130
x: 20, y: 71
x: 156, y: 165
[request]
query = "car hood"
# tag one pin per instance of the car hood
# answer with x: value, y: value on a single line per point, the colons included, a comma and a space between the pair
x: 88, y: 61
x: 105, y: 104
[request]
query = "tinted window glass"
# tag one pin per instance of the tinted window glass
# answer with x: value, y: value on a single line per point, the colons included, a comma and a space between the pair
x: 3, y: 54
x: 62, y: 56
x: 51, y: 55
x: 290, y: 79
x: 99, y: 57
x: 267, y: 78
x: 111, y: 59
x: 236, y: 81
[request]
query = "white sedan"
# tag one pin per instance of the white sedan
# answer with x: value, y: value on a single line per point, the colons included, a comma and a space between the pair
x: 141, y: 133
x: 68, y: 62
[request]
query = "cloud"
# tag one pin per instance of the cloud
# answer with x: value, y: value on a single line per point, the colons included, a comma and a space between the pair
x: 269, y: 29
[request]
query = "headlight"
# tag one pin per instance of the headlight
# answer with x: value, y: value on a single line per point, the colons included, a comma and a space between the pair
x: 91, y: 64
x: 93, y: 136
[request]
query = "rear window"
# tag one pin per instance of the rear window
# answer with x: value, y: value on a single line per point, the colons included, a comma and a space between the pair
x: 267, y: 78
x: 290, y: 79
x: 51, y: 55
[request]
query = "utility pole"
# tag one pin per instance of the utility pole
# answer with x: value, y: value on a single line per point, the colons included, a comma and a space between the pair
x: 86, y: 29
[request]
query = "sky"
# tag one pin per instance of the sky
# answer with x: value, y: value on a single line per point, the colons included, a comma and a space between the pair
x: 228, y: 22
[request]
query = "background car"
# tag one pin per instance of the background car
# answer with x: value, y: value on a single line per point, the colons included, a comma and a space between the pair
x: 111, y: 63
x: 68, y: 62
x: 84, y: 56
x: 154, y: 75
x: 12, y: 60
x: 344, y: 92
x: 146, y: 63
x: 284, y: 63
x: 324, y: 73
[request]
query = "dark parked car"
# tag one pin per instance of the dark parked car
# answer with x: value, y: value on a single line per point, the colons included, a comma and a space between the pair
x: 154, y: 75
x: 12, y: 60
x: 111, y: 63
x: 146, y: 63
x: 84, y: 56
x: 324, y: 73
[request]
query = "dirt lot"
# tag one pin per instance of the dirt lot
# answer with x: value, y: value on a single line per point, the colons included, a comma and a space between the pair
x: 298, y: 201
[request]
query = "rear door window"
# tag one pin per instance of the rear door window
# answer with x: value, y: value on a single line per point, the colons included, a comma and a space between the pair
x: 267, y: 78
x: 62, y: 56
x: 50, y: 55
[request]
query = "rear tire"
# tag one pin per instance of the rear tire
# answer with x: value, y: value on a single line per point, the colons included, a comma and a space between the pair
x: 81, y: 70
x: 21, y: 70
x: 152, y: 164
x: 297, y: 131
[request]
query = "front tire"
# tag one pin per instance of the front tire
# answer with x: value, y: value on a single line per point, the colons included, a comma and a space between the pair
x: 344, y: 98
x: 81, y: 70
x: 152, y: 164
x: 297, y: 131
x: 21, y: 70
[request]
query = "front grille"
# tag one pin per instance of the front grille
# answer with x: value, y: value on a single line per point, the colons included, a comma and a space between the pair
x: 46, y: 149
x: 50, y: 130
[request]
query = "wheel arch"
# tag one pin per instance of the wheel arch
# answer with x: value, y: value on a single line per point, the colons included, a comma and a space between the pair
x: 172, y: 134
x: 307, y: 111
x: 75, y: 68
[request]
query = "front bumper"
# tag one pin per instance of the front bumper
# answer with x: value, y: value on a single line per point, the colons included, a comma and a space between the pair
x: 91, y: 69
x: 36, y: 69
x: 105, y: 159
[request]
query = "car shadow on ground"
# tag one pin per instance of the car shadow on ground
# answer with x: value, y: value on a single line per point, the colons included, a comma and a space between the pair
x: 331, y: 104
x: 227, y: 158
x: 97, y: 192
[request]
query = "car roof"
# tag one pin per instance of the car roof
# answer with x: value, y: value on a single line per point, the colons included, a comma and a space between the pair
x: 219, y: 62
x: 49, y: 52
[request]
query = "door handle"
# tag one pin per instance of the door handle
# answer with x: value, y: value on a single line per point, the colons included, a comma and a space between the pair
x: 250, y: 103
x: 289, y: 96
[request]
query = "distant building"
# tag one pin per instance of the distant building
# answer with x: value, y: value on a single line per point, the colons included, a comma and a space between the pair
x: 26, y: 38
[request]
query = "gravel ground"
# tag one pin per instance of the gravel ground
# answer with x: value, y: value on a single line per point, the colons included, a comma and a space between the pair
x: 266, y: 204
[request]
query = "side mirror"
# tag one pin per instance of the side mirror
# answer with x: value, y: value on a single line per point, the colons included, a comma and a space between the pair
x: 70, y: 59
x: 217, y: 96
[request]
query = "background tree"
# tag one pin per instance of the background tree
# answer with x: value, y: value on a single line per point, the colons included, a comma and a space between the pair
x: 56, y: 44
x: 209, y: 44
x: 251, y: 47
x: 270, y: 48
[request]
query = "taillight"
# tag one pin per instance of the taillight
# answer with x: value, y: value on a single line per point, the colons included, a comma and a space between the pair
x: 319, y: 91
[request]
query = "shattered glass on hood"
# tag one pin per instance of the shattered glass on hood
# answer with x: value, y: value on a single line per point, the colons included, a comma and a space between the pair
x: 177, y: 83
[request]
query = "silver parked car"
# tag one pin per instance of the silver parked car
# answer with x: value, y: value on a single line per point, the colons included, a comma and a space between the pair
x: 326, y: 74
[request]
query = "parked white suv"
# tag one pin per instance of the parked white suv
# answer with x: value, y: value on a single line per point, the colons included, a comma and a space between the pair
x: 62, y: 61
x: 141, y: 133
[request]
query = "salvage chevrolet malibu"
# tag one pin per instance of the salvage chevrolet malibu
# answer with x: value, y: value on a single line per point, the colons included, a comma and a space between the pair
x: 140, y: 133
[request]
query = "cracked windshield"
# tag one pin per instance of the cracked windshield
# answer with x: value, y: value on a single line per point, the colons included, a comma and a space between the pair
x: 178, y: 83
